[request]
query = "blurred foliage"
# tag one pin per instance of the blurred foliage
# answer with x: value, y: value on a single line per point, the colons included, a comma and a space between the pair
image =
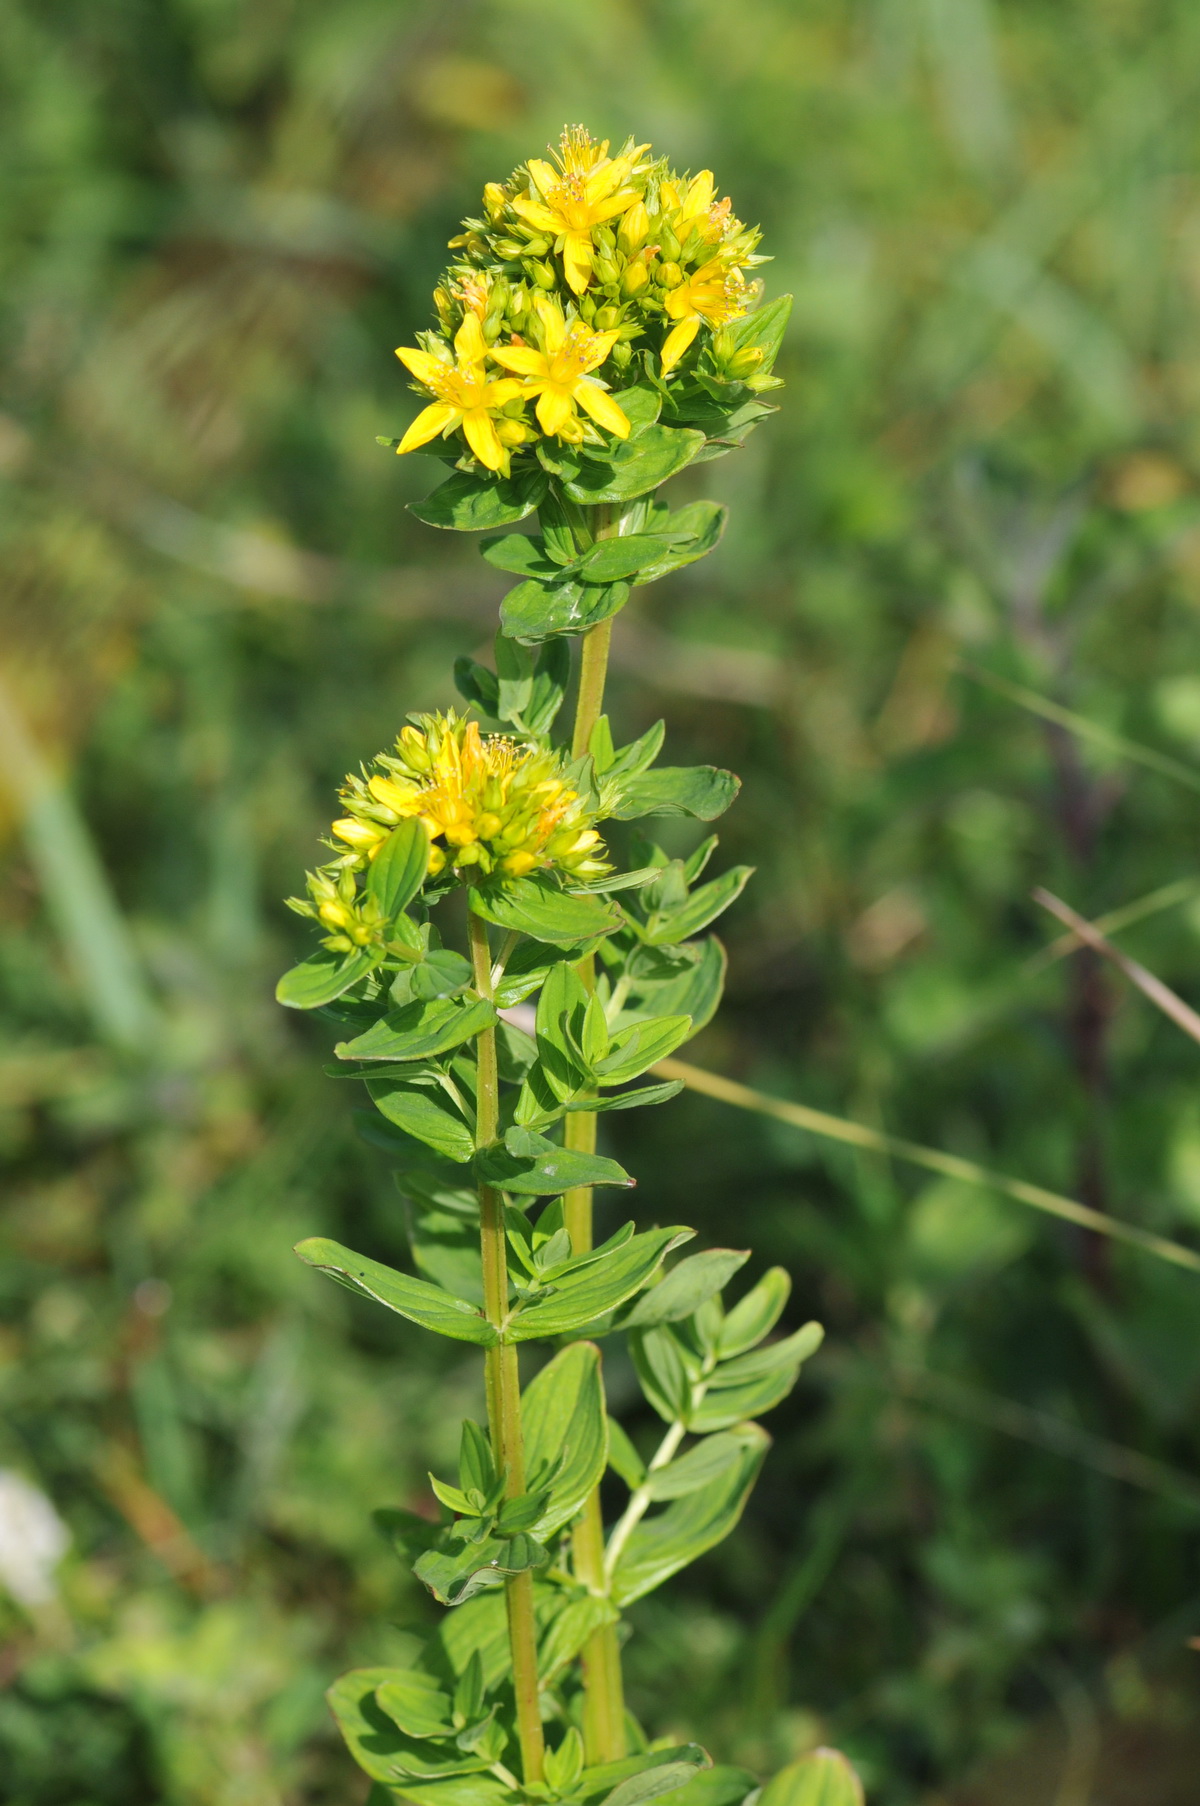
x: 218, y: 217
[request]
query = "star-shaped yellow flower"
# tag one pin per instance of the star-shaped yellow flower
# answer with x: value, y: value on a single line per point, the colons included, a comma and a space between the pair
x: 465, y: 396
x: 714, y: 293
x: 560, y: 375
x: 587, y: 189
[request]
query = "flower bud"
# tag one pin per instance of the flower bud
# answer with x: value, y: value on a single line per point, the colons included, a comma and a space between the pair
x: 605, y: 239
x: 518, y: 864
x: 544, y: 274
x: 494, y: 200
x: 745, y: 362
x: 621, y: 354
x: 634, y: 277
x: 634, y: 229
x: 607, y: 272
x: 668, y: 244
x: 587, y: 308
x: 509, y: 249
x: 607, y: 318
x: 668, y: 275
x: 536, y: 243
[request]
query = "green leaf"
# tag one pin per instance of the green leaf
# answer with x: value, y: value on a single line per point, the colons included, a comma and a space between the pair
x: 440, y: 974
x: 397, y: 871
x: 675, y: 1765
x: 694, y: 990
x: 455, y: 1575
x: 763, y: 329
x: 562, y: 1412
x: 532, y: 1166
x: 445, y: 1247
x: 702, y: 1464
x: 658, y: 1363
x: 636, y: 465
x: 535, y: 907
x: 623, y: 1458
x: 627, y: 1100
x: 526, y: 972
x: 412, y: 1298
x: 419, y: 1031
x: 701, y: 791
x: 612, y: 559
x: 466, y: 1790
x: 824, y: 1778
x: 599, y: 1287
x: 535, y: 611
x: 551, y: 676
x: 469, y: 504
x: 378, y: 1744
x: 700, y: 527
x: 640, y: 1046
x: 686, y: 1287
x: 723, y: 1785
x: 702, y: 907
x: 755, y: 1315
x: 425, y: 1111
x: 522, y: 554
x: 414, y: 1701
x: 322, y: 977
x: 753, y: 1383
x: 653, y: 1783
x: 663, y: 1544
x: 569, y: 1631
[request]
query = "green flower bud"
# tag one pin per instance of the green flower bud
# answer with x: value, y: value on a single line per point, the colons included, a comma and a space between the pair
x: 606, y: 318
x: 668, y: 275
x: 607, y: 272
x: 668, y: 244
x: 634, y: 278
x: 544, y: 274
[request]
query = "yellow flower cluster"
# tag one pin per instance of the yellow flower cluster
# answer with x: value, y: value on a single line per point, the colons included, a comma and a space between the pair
x: 576, y: 264
x: 491, y: 806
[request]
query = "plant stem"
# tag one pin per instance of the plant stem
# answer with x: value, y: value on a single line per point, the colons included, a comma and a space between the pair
x: 603, y: 1686
x: 503, y: 1378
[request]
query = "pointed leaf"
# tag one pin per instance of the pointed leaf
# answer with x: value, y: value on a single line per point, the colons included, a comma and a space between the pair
x: 647, y: 458
x: 628, y: 1100
x: 455, y: 1575
x: 598, y: 1288
x: 641, y: 1046
x: 378, y: 1744
x: 702, y: 907
x: 536, y: 907
x: 569, y: 1632
x: 702, y: 791
x: 700, y: 527
x: 412, y: 1298
x: 421, y: 1030
x: 686, y: 1287
x: 754, y: 1383
x: 563, y: 1413
x: 623, y: 1458
x: 531, y: 1165
x: 611, y: 559
x: 322, y: 977
x: 523, y: 554
x: 397, y: 871
x: 709, y: 1459
x: 535, y: 611
x: 469, y: 504
x: 694, y: 990
x: 663, y: 1544
x: 414, y: 1701
x: 425, y: 1111
x: 442, y: 973
x: 755, y: 1315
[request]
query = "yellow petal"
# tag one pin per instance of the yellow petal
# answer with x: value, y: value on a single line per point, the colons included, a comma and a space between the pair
x: 480, y: 434
x: 521, y: 358
x: 424, y: 366
x: 681, y: 301
x: 495, y: 395
x: 469, y: 344
x: 428, y: 424
x: 616, y: 203
x: 554, y: 326
x: 699, y: 195
x: 534, y: 214
x: 602, y: 343
x: 677, y: 342
x: 554, y: 409
x: 603, y: 409
x: 577, y: 260
x: 545, y: 177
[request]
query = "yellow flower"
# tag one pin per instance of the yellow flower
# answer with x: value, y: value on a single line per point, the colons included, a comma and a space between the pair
x: 490, y: 805
x: 466, y: 396
x: 560, y: 375
x: 714, y: 293
x: 588, y: 188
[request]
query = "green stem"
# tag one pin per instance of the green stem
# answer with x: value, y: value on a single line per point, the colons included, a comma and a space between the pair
x: 502, y: 1376
x: 603, y: 1687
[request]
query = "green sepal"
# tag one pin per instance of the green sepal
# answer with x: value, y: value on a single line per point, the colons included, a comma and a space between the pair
x: 536, y: 907
x: 421, y: 1030
x: 529, y: 1164
x: 581, y: 1297
x: 562, y: 1410
x: 701, y: 791
x: 324, y: 976
x: 824, y: 1778
x: 397, y: 872
x: 415, y: 1299
x: 689, y: 1284
x: 663, y: 1544
x: 470, y: 504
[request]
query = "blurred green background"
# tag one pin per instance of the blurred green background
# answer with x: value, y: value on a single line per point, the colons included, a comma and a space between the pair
x: 973, y: 1558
